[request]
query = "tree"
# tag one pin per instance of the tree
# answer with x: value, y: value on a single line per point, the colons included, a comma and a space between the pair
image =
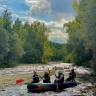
x: 6, y: 16
x: 82, y: 34
x: 24, y: 43
x: 4, y: 46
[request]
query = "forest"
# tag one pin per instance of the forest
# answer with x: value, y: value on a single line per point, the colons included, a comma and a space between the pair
x: 25, y: 43
x: 28, y: 43
x: 81, y: 45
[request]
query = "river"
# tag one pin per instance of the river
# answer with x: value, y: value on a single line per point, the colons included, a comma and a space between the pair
x: 21, y: 90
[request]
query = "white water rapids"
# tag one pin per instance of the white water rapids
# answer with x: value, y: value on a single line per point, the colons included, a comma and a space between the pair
x: 21, y: 90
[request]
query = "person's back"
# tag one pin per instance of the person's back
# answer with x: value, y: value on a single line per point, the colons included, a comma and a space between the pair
x: 35, y: 78
x: 46, y: 78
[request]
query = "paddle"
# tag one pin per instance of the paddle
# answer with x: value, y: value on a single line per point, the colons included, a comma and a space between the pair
x: 19, y: 81
x: 56, y: 84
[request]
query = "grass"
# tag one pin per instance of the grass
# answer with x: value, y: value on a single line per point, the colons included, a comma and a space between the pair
x: 11, y: 79
x: 94, y: 94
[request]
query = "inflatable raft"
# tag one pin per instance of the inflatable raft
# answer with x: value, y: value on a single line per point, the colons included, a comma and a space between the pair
x: 41, y: 87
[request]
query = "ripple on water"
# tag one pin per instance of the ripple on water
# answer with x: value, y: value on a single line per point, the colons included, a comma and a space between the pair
x: 22, y: 91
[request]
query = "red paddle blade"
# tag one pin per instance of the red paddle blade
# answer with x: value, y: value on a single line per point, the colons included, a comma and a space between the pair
x: 19, y: 81
x: 56, y: 87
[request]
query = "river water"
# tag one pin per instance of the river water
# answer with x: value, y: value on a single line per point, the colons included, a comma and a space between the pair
x: 21, y: 90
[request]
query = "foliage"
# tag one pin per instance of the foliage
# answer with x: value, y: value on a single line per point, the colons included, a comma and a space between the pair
x: 23, y: 43
x: 4, y: 46
x: 82, y: 33
x: 57, y: 51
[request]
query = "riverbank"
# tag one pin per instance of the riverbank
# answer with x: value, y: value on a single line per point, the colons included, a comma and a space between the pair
x: 85, y: 87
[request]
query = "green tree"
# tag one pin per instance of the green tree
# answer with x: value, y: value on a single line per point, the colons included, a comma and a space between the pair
x: 6, y: 16
x: 4, y: 46
x: 82, y: 34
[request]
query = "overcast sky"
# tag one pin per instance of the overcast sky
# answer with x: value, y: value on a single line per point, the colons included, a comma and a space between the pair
x: 54, y: 13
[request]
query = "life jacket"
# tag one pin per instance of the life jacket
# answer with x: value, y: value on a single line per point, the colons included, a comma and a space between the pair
x: 72, y: 74
x: 35, y: 78
x: 46, y: 78
x: 62, y: 80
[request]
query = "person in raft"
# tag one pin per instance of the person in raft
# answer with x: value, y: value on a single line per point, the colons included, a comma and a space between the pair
x: 60, y: 77
x: 72, y: 76
x: 35, y: 77
x: 46, y: 77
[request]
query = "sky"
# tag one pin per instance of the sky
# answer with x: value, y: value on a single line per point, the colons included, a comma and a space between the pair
x: 54, y: 13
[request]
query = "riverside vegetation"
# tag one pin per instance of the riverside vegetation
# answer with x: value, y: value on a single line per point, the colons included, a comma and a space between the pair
x: 25, y: 43
x: 81, y: 46
x: 28, y: 43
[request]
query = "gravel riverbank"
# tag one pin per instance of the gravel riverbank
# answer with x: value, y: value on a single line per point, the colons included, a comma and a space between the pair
x: 84, y: 87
